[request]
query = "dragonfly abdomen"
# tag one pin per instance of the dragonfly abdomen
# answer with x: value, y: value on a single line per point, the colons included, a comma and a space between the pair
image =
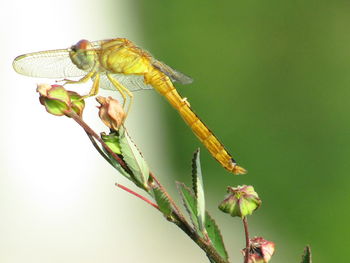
x: 210, y: 141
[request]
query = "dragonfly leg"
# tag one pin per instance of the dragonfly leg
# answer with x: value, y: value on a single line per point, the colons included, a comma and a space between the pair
x: 118, y: 86
x: 82, y: 80
x: 62, y: 80
x: 95, y: 87
x: 122, y: 90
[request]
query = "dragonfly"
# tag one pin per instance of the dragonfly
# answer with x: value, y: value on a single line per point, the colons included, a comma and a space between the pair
x: 118, y: 64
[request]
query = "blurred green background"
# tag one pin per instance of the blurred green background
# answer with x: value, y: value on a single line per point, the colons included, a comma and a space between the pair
x: 272, y: 82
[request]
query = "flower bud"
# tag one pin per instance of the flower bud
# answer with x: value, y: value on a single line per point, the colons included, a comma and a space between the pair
x: 111, y: 112
x: 59, y: 101
x: 78, y: 104
x: 241, y: 201
x: 55, y: 99
x: 260, y: 250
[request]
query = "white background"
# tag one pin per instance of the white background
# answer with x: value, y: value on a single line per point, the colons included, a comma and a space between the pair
x: 58, y: 202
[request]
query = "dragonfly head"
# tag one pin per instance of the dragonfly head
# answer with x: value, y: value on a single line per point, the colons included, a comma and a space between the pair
x: 83, y: 55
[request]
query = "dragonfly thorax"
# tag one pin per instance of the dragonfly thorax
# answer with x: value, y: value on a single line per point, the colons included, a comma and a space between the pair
x: 83, y: 55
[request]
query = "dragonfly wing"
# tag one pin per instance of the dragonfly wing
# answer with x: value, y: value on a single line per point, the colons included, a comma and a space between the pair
x: 47, y: 64
x: 131, y: 82
x: 96, y: 45
x: 173, y: 74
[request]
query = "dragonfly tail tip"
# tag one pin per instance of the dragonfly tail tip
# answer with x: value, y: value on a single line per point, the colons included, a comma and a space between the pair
x: 238, y: 170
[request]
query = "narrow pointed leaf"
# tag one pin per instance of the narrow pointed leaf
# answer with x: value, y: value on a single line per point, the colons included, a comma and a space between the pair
x: 198, y: 189
x: 306, y: 258
x: 215, y: 236
x: 189, y: 201
x: 162, y: 202
x: 134, y: 159
x: 212, y: 229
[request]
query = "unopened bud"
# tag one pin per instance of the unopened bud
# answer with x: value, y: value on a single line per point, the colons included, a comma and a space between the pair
x: 59, y: 101
x: 78, y: 104
x: 111, y: 112
x: 260, y: 250
x: 241, y: 201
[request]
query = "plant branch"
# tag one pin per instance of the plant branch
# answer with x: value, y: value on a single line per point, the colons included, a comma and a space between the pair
x: 90, y: 131
x: 98, y: 148
x: 178, y: 218
x: 168, y: 196
x: 182, y: 223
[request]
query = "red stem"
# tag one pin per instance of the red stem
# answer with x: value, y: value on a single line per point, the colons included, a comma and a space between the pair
x: 137, y: 195
x: 247, y: 241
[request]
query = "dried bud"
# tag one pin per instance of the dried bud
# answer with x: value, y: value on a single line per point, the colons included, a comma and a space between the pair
x: 260, y: 250
x: 241, y: 201
x: 59, y: 101
x: 111, y: 112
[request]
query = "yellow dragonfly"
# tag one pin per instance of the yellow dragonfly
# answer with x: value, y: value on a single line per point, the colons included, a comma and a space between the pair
x: 118, y: 64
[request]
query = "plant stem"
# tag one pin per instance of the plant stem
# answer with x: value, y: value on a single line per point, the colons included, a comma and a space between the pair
x: 178, y: 219
x: 137, y: 195
x: 182, y: 223
x: 98, y: 148
x: 90, y: 131
x: 247, y: 241
x: 168, y: 196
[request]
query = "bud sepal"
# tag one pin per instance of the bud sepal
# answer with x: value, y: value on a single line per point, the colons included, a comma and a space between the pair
x: 241, y: 201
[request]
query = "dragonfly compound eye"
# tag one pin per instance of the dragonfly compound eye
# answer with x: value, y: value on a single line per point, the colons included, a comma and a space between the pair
x: 73, y: 48
x: 82, y: 55
x: 82, y: 44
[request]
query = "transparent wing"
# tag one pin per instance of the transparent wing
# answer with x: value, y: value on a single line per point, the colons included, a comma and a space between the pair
x: 173, y: 74
x: 47, y: 64
x: 96, y: 45
x: 131, y: 82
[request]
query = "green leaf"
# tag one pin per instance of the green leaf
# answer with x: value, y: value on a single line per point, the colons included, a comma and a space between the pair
x: 163, y: 202
x: 112, y: 141
x: 215, y: 236
x: 198, y: 189
x: 133, y: 158
x: 212, y: 229
x: 306, y: 258
x: 189, y: 202
x: 117, y: 166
